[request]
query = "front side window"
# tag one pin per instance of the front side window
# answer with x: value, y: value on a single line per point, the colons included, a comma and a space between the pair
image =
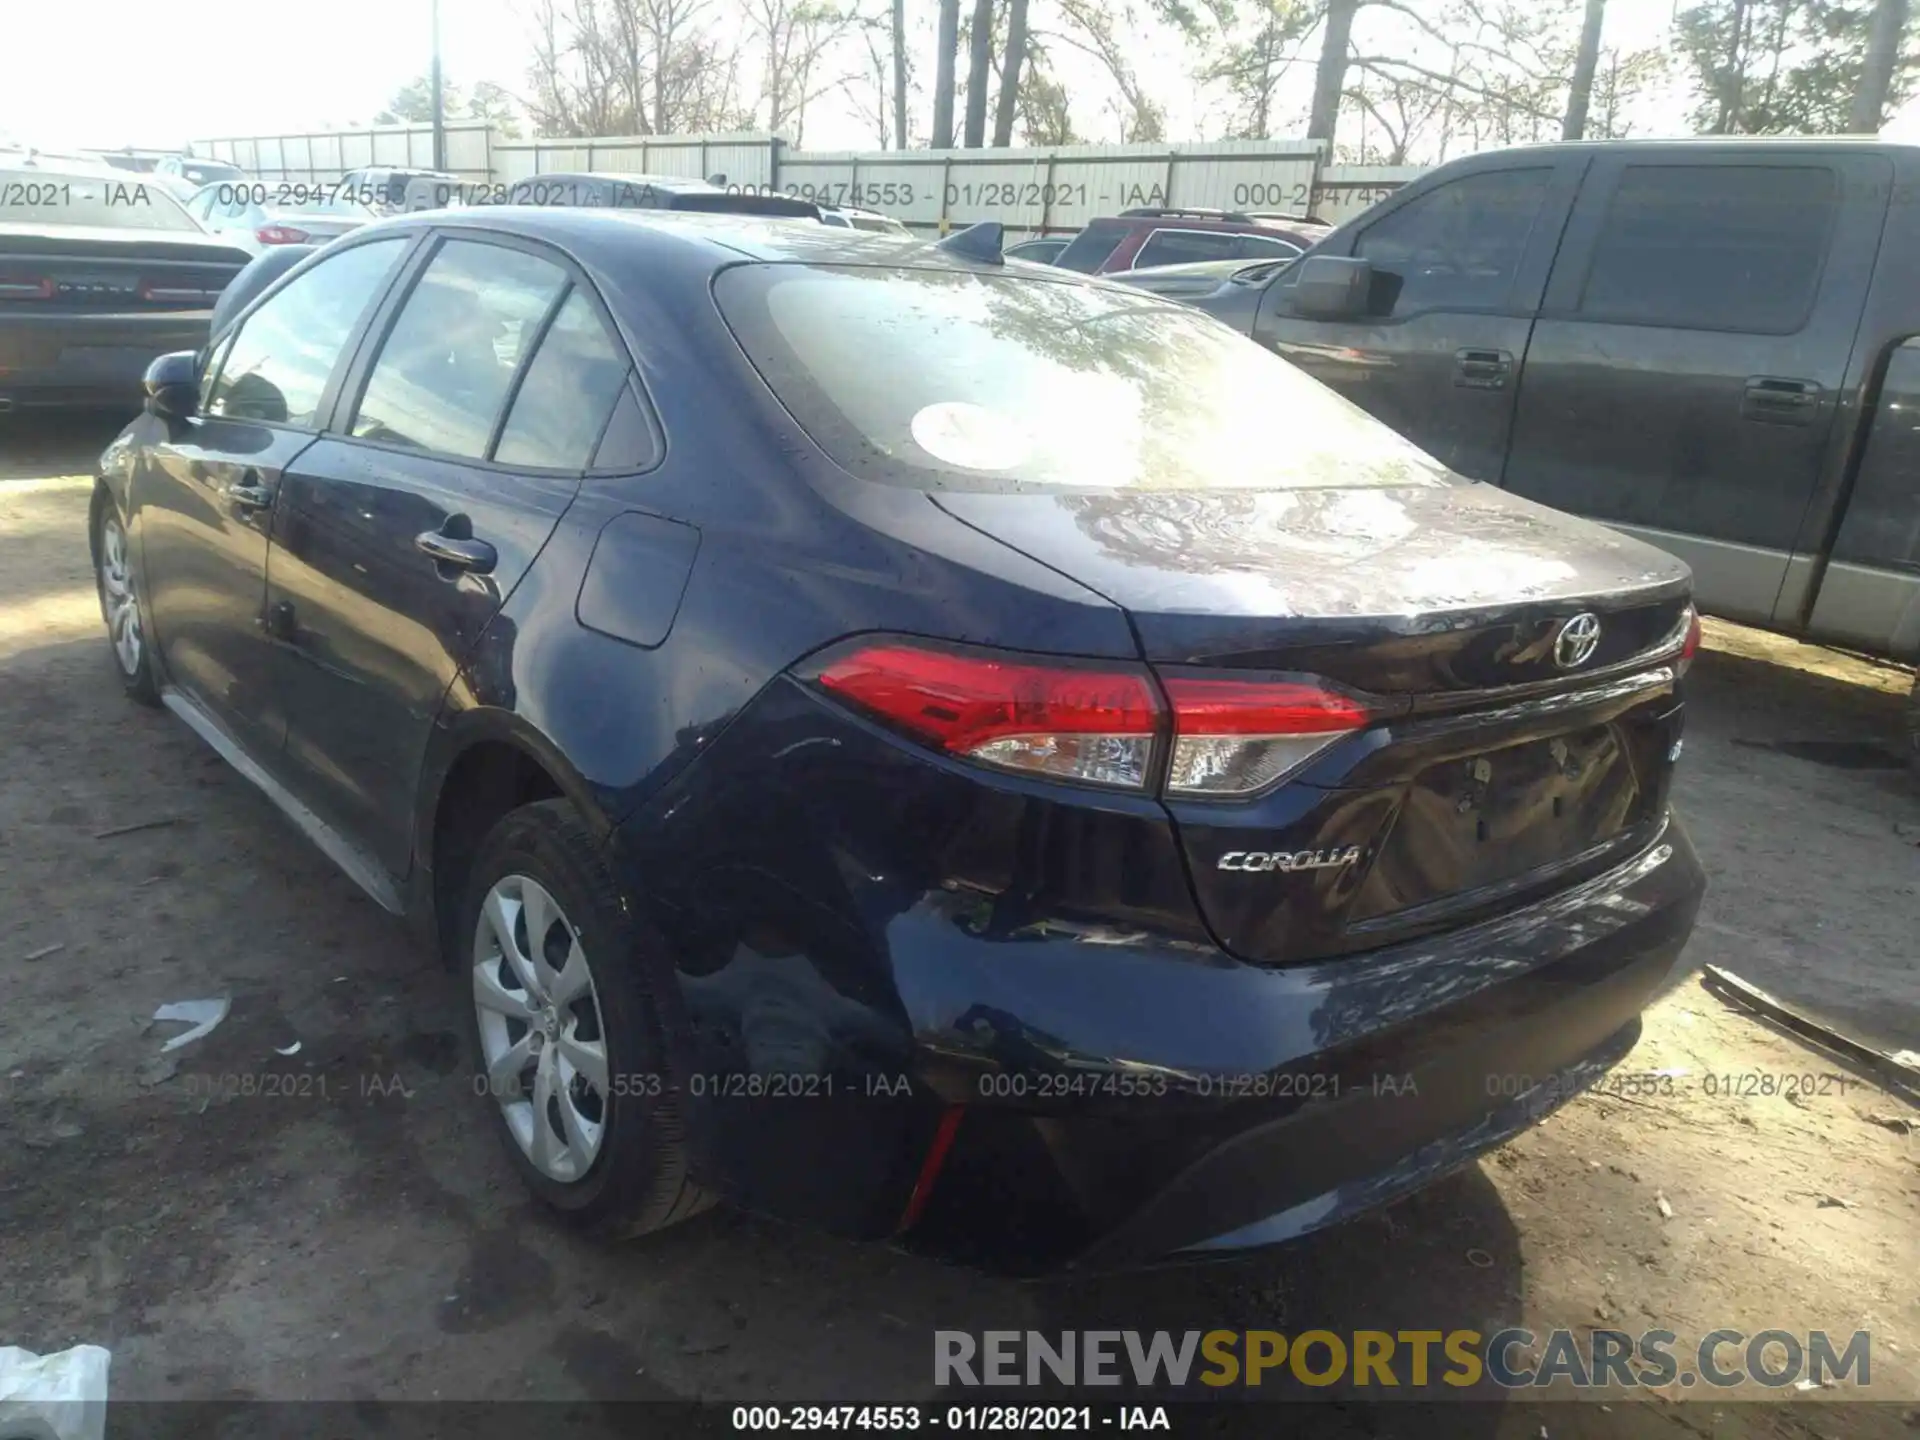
x: 567, y: 393
x: 949, y: 379
x: 277, y: 367
x: 1457, y: 247
x: 1882, y: 524
x: 1713, y: 247
x: 1184, y: 247
x: 445, y: 367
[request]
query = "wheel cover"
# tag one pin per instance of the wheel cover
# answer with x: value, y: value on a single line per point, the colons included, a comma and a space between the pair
x: 541, y: 1037
x: 122, y: 606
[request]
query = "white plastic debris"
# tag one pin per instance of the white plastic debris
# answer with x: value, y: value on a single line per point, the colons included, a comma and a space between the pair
x: 54, y: 1397
x: 293, y: 1049
x: 202, y: 1015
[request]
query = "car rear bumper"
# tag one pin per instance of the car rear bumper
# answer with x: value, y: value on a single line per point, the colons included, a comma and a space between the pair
x: 77, y: 360
x: 1295, y: 1097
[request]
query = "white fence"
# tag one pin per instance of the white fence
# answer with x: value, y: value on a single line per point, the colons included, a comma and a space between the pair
x: 1029, y: 190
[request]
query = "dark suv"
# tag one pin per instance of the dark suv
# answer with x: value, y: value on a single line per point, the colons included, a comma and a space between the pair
x: 1157, y: 235
x: 885, y: 738
x: 1713, y: 345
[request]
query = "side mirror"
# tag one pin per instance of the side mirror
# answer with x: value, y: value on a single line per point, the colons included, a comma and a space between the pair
x: 173, y: 385
x: 1332, y: 287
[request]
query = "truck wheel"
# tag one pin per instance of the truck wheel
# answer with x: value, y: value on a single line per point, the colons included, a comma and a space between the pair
x: 565, y: 1031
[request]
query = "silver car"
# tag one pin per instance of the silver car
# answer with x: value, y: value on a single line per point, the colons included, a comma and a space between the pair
x: 256, y: 214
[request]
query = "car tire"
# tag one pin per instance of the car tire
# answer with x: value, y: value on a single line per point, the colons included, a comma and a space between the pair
x: 599, y: 1139
x: 127, y: 632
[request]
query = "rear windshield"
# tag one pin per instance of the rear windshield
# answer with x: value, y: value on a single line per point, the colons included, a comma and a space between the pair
x: 1089, y: 250
x: 951, y: 379
x: 116, y: 202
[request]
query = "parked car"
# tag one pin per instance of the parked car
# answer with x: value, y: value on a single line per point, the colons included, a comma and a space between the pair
x: 1711, y: 345
x: 847, y: 217
x: 100, y: 271
x: 1203, y: 277
x: 253, y: 216
x: 388, y: 190
x: 875, y: 729
x: 183, y: 175
x: 615, y: 190
x: 1043, y: 250
x: 1159, y: 235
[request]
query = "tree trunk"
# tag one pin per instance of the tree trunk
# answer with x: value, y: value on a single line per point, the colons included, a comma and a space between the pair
x: 946, y: 41
x: 980, y: 66
x: 1585, y: 61
x: 1015, y: 56
x: 1876, y: 77
x: 899, y: 74
x: 1330, y: 75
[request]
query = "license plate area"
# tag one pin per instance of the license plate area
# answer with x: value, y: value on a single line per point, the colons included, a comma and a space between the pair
x: 1477, y: 820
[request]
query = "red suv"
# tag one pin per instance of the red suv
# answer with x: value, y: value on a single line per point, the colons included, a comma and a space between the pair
x: 1135, y: 239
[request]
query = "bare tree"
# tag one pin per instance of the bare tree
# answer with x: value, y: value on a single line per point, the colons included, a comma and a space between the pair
x: 946, y: 41
x: 799, y: 37
x: 1580, y: 91
x: 1330, y: 76
x: 1014, y: 56
x: 1092, y: 32
x: 630, y: 67
x: 979, y: 68
x: 1876, y: 75
x: 899, y: 74
x: 1251, y: 68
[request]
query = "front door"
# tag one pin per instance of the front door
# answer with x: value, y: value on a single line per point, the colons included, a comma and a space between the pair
x: 206, y: 495
x: 400, y: 534
x: 1458, y: 270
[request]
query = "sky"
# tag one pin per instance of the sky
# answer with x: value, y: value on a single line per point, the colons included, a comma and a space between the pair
x: 114, y: 72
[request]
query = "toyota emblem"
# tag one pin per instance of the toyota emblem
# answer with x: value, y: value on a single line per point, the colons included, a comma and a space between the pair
x: 1577, y: 641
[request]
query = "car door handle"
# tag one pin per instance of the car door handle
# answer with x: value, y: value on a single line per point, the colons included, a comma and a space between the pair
x: 460, y: 552
x: 250, y: 494
x: 1773, y: 400
x: 1482, y: 369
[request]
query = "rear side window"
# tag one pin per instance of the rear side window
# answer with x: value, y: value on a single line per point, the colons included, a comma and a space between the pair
x: 1713, y: 247
x: 1267, y: 247
x: 277, y: 367
x: 447, y: 363
x: 567, y: 394
x: 1457, y: 247
x: 1183, y: 247
x: 1089, y: 250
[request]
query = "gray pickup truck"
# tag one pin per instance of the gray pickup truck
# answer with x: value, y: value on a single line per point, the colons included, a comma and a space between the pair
x: 1711, y: 344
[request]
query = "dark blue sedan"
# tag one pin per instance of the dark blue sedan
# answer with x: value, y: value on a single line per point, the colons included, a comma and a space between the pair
x: 922, y: 746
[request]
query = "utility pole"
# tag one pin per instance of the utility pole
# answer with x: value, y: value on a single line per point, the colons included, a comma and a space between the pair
x: 439, y: 107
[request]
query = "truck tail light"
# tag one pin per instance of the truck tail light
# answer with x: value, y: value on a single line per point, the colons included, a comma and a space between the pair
x: 1093, y: 724
x: 1236, y: 737
x: 1691, y: 645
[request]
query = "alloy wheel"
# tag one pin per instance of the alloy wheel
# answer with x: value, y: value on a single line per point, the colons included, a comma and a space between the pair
x: 542, y: 1039
x: 116, y: 591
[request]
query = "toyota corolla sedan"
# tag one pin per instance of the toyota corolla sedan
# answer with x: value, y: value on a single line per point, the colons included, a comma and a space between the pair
x: 925, y: 747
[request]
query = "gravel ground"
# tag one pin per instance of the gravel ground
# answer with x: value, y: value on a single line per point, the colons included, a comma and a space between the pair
x: 356, y: 1235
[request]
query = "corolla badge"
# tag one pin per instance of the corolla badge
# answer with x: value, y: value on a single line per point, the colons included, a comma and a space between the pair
x: 1328, y: 859
x: 1577, y: 641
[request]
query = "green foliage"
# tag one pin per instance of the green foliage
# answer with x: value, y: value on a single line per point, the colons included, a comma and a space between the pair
x: 1781, y: 67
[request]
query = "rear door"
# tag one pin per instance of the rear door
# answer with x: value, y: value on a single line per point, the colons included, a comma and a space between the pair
x: 206, y: 492
x: 1690, y: 353
x: 1459, y: 269
x: 477, y: 402
x: 1870, y: 594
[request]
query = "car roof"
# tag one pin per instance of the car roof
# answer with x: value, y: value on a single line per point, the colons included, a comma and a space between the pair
x: 618, y: 177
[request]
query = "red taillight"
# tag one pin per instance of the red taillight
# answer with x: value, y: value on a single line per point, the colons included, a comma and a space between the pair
x: 17, y: 288
x: 1691, y: 645
x: 1093, y: 725
x: 281, y: 235
x: 1236, y: 737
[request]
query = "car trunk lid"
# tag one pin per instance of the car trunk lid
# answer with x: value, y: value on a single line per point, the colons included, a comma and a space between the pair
x: 1494, y: 761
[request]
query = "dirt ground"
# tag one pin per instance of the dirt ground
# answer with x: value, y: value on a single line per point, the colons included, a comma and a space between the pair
x: 362, y: 1238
